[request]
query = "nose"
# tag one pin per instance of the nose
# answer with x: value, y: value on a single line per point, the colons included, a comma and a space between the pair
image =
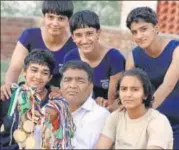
x: 55, y: 22
x: 139, y: 35
x: 38, y: 75
x: 84, y: 39
x: 73, y: 84
x: 128, y: 93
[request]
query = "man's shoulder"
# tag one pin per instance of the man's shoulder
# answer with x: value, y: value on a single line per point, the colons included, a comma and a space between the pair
x: 99, y: 110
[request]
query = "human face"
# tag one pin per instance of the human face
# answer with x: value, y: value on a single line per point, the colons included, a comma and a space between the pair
x: 86, y: 38
x: 131, y: 93
x: 75, y: 87
x: 143, y: 33
x: 37, y: 76
x: 55, y: 24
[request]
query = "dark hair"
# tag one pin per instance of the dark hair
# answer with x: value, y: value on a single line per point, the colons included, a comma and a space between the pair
x: 41, y: 57
x: 141, y: 13
x: 84, y: 18
x: 64, y: 8
x: 144, y: 79
x: 78, y: 64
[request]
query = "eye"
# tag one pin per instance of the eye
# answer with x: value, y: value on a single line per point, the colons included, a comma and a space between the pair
x: 90, y: 33
x: 46, y: 73
x: 123, y: 88
x: 135, y: 89
x: 81, y: 81
x: 134, y: 32
x: 61, y: 18
x: 143, y: 29
x: 33, y: 70
x: 66, y: 80
x: 50, y: 17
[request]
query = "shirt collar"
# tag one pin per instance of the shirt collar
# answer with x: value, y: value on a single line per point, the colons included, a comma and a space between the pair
x: 88, y: 104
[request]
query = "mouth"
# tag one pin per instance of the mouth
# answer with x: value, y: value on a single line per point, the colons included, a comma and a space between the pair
x: 141, y: 41
x: 72, y: 93
x: 85, y: 47
x: 128, y: 101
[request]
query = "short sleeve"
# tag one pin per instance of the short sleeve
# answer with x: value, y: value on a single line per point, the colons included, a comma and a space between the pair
x: 117, y: 62
x: 110, y: 125
x: 71, y: 55
x: 25, y: 39
x: 160, y: 133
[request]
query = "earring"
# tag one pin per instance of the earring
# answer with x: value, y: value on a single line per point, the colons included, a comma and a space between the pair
x: 145, y: 98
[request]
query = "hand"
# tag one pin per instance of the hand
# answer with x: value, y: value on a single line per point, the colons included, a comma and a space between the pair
x: 5, y: 91
x: 37, y: 116
x: 102, y: 102
x: 116, y: 106
x: 55, y: 92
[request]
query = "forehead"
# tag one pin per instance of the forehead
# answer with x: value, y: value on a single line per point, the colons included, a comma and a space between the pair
x: 54, y: 14
x: 131, y: 81
x: 139, y: 24
x: 38, y: 66
x: 84, y: 29
x: 75, y: 73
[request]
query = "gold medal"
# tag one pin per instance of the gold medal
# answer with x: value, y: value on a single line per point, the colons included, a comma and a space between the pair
x: 30, y: 142
x: 28, y: 126
x: 19, y: 135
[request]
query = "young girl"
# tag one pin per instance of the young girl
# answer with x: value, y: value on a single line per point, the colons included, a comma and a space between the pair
x: 108, y: 63
x: 54, y: 36
x: 138, y: 126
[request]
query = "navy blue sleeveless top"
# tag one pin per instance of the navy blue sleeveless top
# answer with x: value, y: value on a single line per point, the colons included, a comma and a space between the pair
x: 112, y: 63
x: 32, y: 38
x: 156, y: 69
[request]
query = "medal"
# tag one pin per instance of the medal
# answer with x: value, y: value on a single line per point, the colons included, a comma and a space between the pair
x: 28, y: 126
x: 19, y: 135
x: 30, y: 142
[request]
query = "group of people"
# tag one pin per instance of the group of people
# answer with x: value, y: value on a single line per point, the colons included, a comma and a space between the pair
x: 113, y: 102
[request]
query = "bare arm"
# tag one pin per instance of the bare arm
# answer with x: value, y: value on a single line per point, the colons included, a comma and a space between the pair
x: 169, y: 82
x: 154, y: 147
x: 104, y: 142
x: 112, y: 87
x: 16, y: 64
x: 130, y: 62
x: 14, y: 70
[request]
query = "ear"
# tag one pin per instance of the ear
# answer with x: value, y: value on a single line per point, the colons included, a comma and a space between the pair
x: 145, y: 97
x: 91, y: 86
x: 50, y: 78
x: 24, y: 73
x: 98, y: 33
x: 156, y: 28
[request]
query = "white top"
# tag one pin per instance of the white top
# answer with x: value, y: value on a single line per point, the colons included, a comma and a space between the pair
x: 151, y: 129
x: 89, y: 120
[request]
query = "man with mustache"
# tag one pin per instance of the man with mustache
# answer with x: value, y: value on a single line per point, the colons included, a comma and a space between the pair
x: 76, y: 87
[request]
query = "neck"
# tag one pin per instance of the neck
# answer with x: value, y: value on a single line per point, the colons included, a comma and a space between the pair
x: 95, y: 55
x: 55, y: 40
x: 136, y: 112
x: 156, y: 47
x: 41, y: 93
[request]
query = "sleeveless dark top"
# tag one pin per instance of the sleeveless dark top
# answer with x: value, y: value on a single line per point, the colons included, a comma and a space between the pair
x: 156, y: 69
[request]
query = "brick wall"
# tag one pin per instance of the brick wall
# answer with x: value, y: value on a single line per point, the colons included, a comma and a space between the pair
x: 168, y: 16
x: 12, y: 27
